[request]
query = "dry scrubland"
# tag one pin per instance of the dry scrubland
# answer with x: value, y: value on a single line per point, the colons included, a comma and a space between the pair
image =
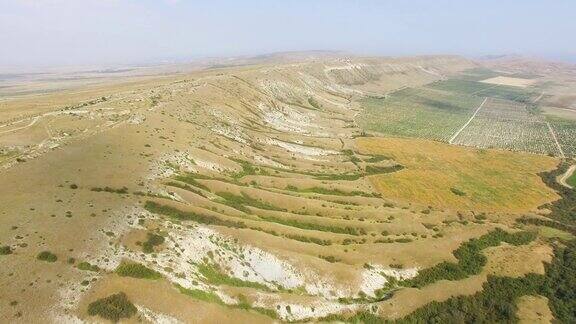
x: 251, y: 194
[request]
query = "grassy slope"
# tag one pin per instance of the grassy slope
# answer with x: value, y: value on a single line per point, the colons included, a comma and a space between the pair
x: 491, y: 180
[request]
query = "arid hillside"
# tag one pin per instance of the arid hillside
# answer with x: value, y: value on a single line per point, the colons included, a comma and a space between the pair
x: 273, y: 190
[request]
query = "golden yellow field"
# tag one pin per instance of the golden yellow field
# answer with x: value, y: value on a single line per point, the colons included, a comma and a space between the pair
x: 488, y: 180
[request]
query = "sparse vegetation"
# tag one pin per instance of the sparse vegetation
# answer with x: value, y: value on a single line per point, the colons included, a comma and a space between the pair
x: 122, y: 190
x: 372, y: 170
x: 314, y: 103
x: 308, y: 239
x: 113, y: 307
x: 87, y: 266
x: 152, y: 241
x: 329, y: 258
x: 315, y: 227
x: 327, y: 191
x: 457, y: 192
x: 186, y: 187
x: 247, y: 169
x: 211, y: 297
x: 190, y: 179
x: 136, y: 270
x: 190, y: 216
x: 201, y: 295
x: 214, y: 275
x: 5, y: 250
x: 240, y: 202
x: 47, y: 256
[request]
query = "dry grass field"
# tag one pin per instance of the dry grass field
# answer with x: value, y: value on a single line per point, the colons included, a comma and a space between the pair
x: 534, y: 309
x: 485, y: 180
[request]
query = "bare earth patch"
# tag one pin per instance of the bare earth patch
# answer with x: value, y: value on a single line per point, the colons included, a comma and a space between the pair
x: 508, y: 81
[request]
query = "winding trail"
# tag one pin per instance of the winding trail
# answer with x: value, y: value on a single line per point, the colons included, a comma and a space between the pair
x: 20, y: 128
x: 567, y: 175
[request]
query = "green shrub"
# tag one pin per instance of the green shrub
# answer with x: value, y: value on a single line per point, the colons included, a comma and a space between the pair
x: 186, y: 187
x: 308, y: 239
x: 214, y: 275
x: 122, y: 190
x: 314, y: 103
x: 560, y: 283
x: 329, y: 258
x: 211, y: 297
x: 316, y: 227
x: 548, y: 223
x: 191, y: 216
x: 496, y: 303
x: 113, y: 307
x: 152, y: 241
x: 47, y: 256
x: 239, y: 202
x: 457, y: 192
x: 372, y: 169
x: 338, y: 176
x: 201, y: 295
x: 5, y: 250
x: 87, y: 266
x: 247, y: 169
x: 561, y: 210
x: 190, y: 179
x: 136, y: 270
x: 334, y: 192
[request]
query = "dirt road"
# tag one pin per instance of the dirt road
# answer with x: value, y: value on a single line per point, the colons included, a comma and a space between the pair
x: 567, y: 175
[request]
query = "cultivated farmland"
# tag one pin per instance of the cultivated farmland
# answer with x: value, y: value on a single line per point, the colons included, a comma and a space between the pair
x: 451, y: 110
x: 508, y: 125
x: 476, y: 74
x: 420, y: 112
x: 482, y: 89
x: 565, y: 130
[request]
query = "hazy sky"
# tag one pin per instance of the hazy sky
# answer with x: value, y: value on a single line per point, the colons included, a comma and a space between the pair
x: 55, y: 32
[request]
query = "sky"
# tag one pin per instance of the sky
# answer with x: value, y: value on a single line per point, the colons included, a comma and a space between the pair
x: 76, y: 32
